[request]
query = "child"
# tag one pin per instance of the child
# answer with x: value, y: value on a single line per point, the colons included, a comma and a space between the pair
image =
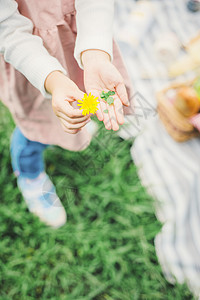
x: 61, y: 75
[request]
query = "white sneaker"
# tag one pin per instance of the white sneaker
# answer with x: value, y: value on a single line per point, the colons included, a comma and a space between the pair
x: 42, y: 200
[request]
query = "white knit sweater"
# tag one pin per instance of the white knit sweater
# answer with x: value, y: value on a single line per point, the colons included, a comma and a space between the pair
x: 26, y: 51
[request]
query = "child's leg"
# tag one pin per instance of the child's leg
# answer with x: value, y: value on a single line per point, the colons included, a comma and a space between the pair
x: 26, y: 156
x: 37, y: 189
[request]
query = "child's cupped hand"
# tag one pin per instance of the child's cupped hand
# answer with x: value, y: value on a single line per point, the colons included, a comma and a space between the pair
x: 101, y: 75
x: 64, y: 92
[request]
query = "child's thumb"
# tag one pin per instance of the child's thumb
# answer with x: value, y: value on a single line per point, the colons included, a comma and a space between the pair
x: 77, y: 95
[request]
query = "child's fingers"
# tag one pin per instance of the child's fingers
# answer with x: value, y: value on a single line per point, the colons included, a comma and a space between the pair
x: 118, y: 107
x: 73, y: 120
x: 71, y: 112
x: 69, y: 130
x: 99, y: 113
x: 122, y: 93
x: 66, y: 108
x: 106, y: 118
x: 71, y: 126
x: 112, y: 117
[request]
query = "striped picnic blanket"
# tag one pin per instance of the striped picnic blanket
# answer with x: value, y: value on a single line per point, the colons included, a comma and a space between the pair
x: 169, y: 170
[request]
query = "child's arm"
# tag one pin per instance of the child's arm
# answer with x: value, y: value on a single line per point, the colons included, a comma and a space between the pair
x: 93, y: 52
x: 28, y: 55
x: 22, y: 49
x: 94, y: 20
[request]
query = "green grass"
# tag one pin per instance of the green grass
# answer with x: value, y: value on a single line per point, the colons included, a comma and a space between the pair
x: 106, y: 250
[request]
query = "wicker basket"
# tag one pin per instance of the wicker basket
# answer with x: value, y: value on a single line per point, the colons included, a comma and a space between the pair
x: 178, y: 126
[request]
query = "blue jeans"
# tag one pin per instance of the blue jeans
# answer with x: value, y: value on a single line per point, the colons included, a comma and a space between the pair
x: 26, y: 155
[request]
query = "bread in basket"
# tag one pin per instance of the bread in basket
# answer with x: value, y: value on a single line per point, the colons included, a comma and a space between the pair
x: 180, y: 115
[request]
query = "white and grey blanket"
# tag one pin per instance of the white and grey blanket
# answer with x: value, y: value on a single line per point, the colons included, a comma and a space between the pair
x: 169, y: 170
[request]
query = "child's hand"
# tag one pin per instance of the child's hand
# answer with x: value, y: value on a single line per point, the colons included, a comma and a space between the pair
x: 64, y: 91
x: 101, y: 75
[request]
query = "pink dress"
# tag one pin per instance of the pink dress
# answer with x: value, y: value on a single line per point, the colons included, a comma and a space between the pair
x: 54, y: 22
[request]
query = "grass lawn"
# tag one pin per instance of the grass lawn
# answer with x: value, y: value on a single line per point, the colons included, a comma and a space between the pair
x: 106, y: 249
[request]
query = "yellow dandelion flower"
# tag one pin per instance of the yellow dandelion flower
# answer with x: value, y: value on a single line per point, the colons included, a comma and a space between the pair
x: 88, y: 104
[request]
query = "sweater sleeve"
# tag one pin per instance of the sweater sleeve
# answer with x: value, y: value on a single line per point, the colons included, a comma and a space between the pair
x: 94, y: 20
x: 23, y: 50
